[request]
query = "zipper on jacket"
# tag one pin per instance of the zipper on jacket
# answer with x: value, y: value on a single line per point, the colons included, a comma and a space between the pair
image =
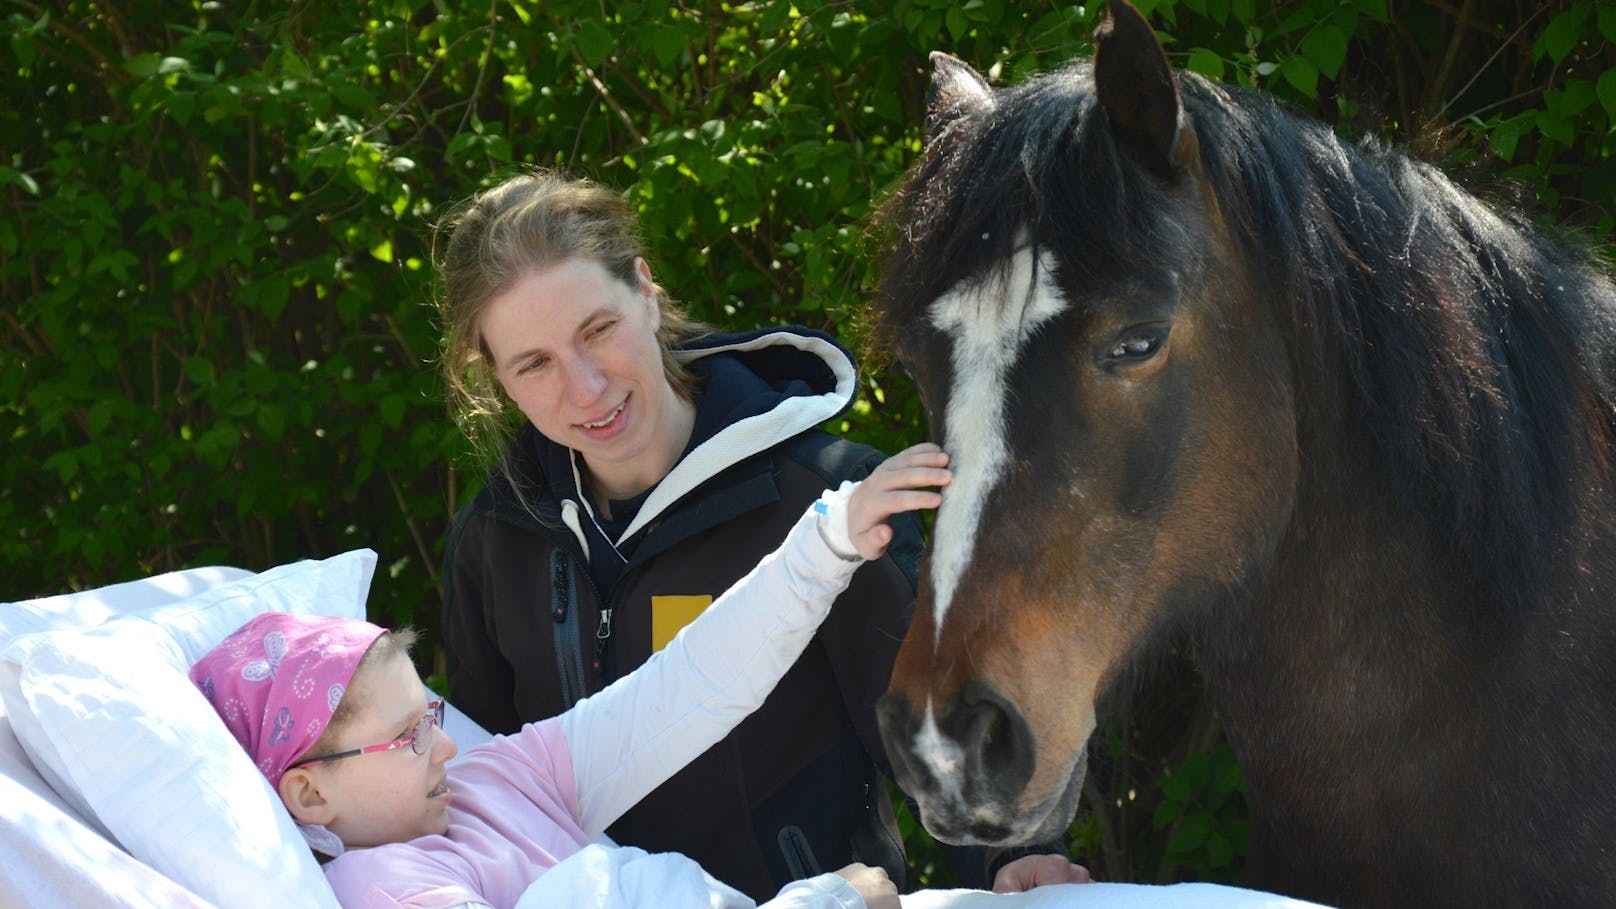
x: 564, y: 612
x: 603, y: 633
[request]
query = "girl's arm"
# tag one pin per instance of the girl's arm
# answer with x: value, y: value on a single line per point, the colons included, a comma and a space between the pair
x: 629, y: 738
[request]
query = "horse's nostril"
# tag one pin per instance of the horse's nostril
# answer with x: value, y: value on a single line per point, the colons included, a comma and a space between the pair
x: 997, y: 742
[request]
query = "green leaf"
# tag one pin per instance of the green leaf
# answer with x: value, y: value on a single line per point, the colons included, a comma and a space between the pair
x: 1206, y: 62
x: 99, y: 416
x: 1166, y: 813
x: 774, y: 16
x: 1556, y: 127
x: 1189, y: 837
x: 391, y: 408
x: 199, y: 372
x: 1301, y: 74
x: 142, y: 66
x: 7, y: 175
x: 1177, y: 787
x: 1374, y: 9
x: 354, y: 97
x: 1504, y: 138
x: 667, y: 43
x: 1607, y: 21
x: 271, y: 419
x: 1606, y: 90
x: 594, y: 42
x: 65, y: 464
x: 23, y: 46
x: 1577, y: 96
x: 462, y: 143
x: 498, y: 148
x: 273, y: 294
x: 1326, y: 48
x: 1564, y: 32
x: 958, y: 25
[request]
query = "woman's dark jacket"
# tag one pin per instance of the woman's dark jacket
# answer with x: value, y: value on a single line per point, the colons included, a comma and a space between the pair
x: 795, y: 789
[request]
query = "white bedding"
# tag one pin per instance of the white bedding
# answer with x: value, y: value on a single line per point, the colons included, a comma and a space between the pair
x: 625, y: 878
x: 58, y: 854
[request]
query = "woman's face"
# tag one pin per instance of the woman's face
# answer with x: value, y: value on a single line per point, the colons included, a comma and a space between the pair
x: 387, y: 796
x: 576, y: 350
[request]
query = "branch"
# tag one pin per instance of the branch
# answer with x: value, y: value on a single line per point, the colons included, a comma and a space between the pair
x: 482, y: 67
x: 61, y: 28
x: 1437, y: 88
x: 1477, y: 75
x: 606, y: 96
x: 415, y: 529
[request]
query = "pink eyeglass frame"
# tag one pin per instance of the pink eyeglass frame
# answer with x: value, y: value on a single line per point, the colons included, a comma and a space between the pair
x: 415, y: 739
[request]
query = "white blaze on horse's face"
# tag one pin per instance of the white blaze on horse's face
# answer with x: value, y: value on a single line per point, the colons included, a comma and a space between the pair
x: 943, y: 755
x: 990, y: 320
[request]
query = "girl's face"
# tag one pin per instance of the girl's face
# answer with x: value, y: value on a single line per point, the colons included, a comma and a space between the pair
x: 576, y: 351
x: 387, y: 796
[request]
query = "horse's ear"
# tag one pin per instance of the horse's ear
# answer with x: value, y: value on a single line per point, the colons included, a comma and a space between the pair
x: 1136, y: 88
x: 956, y: 91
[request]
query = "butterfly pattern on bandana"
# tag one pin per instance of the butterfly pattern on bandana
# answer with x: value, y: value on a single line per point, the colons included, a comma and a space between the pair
x: 274, y: 651
x: 283, y: 726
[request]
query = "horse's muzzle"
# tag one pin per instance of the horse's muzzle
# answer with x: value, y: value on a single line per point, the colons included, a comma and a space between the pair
x: 967, y: 764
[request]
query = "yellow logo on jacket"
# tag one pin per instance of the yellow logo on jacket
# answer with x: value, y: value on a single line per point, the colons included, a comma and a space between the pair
x: 671, y: 613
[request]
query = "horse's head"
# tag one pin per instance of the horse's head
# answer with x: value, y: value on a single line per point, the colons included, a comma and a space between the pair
x: 1066, y: 294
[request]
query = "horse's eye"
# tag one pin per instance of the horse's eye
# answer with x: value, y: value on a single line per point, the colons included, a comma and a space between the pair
x: 1136, y: 344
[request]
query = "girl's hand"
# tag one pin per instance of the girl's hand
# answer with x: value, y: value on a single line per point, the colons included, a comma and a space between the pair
x: 873, y: 885
x: 898, y: 485
x: 1031, y: 871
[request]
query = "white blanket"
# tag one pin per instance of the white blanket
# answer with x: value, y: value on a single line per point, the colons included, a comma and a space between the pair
x: 602, y: 877
x: 53, y: 855
x: 1107, y: 896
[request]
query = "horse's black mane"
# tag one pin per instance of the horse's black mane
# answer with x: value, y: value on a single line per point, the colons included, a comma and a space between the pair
x: 1470, y: 356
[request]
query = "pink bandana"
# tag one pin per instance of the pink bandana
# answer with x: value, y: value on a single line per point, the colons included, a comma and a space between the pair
x: 276, y: 681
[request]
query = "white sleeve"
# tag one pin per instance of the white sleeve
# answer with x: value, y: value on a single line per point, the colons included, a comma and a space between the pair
x: 629, y: 738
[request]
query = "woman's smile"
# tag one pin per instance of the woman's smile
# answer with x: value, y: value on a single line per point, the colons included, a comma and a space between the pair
x: 609, y: 425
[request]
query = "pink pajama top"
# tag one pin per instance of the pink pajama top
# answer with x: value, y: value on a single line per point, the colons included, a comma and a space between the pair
x: 523, y: 803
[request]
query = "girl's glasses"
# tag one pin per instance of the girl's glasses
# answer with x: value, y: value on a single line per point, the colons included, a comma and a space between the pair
x: 416, y: 739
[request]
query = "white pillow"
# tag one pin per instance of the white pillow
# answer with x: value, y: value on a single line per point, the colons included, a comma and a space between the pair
x: 111, y: 719
x: 92, y: 607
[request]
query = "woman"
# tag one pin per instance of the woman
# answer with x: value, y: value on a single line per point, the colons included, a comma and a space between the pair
x: 654, y: 464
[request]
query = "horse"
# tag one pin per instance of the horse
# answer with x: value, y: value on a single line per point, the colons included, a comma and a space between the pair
x: 1207, y: 371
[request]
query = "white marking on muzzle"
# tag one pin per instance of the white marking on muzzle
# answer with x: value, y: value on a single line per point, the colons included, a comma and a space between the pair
x: 942, y: 755
x: 989, y: 320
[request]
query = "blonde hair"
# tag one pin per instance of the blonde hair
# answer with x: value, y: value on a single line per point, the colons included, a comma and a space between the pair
x: 490, y: 242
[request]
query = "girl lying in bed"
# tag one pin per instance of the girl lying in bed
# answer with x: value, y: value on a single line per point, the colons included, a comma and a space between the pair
x: 310, y: 698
